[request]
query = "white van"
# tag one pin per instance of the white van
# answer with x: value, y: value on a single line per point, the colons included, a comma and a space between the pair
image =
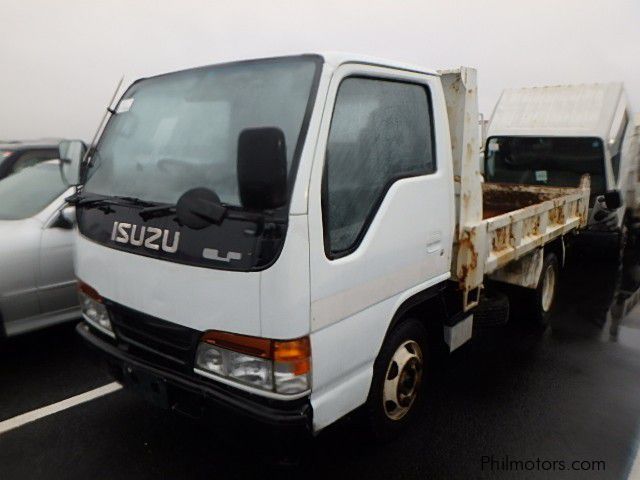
x: 553, y: 135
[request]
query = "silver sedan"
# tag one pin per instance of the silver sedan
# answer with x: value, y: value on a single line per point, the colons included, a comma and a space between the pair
x: 37, y: 283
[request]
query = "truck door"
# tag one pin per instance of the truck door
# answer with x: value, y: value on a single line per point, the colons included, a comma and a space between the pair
x: 380, y: 213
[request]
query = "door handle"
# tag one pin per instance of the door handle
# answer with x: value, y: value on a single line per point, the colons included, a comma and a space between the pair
x: 434, y: 244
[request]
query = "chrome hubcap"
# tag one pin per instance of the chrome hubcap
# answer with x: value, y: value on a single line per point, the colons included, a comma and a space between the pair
x: 548, y: 287
x: 402, y: 380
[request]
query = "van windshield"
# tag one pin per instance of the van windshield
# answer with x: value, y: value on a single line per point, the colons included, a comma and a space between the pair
x: 180, y: 131
x: 550, y: 161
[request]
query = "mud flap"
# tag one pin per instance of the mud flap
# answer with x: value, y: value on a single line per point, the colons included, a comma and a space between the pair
x: 457, y: 335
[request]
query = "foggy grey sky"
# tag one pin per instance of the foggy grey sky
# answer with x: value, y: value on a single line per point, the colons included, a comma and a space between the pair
x: 62, y: 59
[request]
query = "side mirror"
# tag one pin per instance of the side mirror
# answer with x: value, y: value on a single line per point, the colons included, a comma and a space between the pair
x: 262, y: 168
x: 613, y: 199
x: 71, y: 153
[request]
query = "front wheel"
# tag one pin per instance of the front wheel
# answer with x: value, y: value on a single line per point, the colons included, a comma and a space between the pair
x: 398, y: 379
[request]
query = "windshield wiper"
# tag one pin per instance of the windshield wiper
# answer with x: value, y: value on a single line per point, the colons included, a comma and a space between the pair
x: 157, y: 211
x: 79, y: 199
x: 136, y: 201
x: 216, y: 217
x: 84, y: 200
x: 210, y: 212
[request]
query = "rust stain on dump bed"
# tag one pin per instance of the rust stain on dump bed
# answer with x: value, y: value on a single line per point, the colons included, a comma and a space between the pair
x: 469, y: 263
x: 556, y: 215
x: 535, y: 228
x: 501, y: 237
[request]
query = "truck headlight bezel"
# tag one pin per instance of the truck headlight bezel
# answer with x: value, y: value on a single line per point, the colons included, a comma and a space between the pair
x: 93, y: 309
x: 276, y: 367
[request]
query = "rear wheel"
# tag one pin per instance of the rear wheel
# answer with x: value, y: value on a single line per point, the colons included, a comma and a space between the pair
x: 543, y: 298
x: 399, y: 374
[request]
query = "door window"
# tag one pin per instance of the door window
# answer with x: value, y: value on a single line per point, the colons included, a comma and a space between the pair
x: 381, y: 131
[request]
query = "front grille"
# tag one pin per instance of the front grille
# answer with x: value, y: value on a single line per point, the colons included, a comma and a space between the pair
x: 151, y: 336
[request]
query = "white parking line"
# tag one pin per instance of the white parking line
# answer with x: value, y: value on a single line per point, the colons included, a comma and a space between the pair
x: 34, y: 415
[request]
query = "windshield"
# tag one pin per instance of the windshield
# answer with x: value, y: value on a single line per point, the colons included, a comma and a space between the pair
x: 551, y: 161
x: 29, y: 191
x: 180, y: 131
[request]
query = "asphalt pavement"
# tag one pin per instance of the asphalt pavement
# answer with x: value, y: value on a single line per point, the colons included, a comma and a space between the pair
x: 541, y: 398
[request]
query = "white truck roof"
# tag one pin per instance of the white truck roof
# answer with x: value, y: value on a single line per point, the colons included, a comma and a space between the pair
x: 338, y: 58
x: 563, y: 110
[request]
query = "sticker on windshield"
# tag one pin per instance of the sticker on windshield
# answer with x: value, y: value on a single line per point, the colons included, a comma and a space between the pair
x: 494, y: 146
x: 541, y: 175
x: 124, y: 105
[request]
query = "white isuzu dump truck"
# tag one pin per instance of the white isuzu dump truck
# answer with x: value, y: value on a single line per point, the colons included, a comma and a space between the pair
x: 552, y: 135
x: 292, y: 238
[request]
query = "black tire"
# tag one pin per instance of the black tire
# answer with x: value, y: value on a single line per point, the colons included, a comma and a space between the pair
x: 378, y: 413
x: 541, y: 308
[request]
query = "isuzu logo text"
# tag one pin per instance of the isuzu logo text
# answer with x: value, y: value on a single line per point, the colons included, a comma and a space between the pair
x: 152, y: 238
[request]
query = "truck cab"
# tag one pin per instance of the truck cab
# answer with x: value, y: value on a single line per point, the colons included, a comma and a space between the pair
x: 281, y: 237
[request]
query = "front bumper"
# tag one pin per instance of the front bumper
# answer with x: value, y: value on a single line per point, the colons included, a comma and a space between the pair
x: 186, y: 394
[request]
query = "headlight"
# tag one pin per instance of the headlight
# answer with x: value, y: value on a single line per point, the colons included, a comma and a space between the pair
x: 93, y: 310
x: 282, y: 367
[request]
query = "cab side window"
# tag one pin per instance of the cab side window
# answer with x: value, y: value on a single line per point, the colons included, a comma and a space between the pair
x: 32, y: 157
x: 381, y: 131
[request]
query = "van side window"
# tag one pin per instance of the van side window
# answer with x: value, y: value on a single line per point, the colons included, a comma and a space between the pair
x: 615, y: 157
x: 615, y: 165
x: 381, y: 131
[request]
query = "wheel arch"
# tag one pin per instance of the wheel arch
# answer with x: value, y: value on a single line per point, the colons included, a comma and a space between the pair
x: 427, y: 306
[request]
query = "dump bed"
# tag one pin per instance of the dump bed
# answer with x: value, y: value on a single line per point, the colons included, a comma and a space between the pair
x: 517, y: 220
x: 498, y: 224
